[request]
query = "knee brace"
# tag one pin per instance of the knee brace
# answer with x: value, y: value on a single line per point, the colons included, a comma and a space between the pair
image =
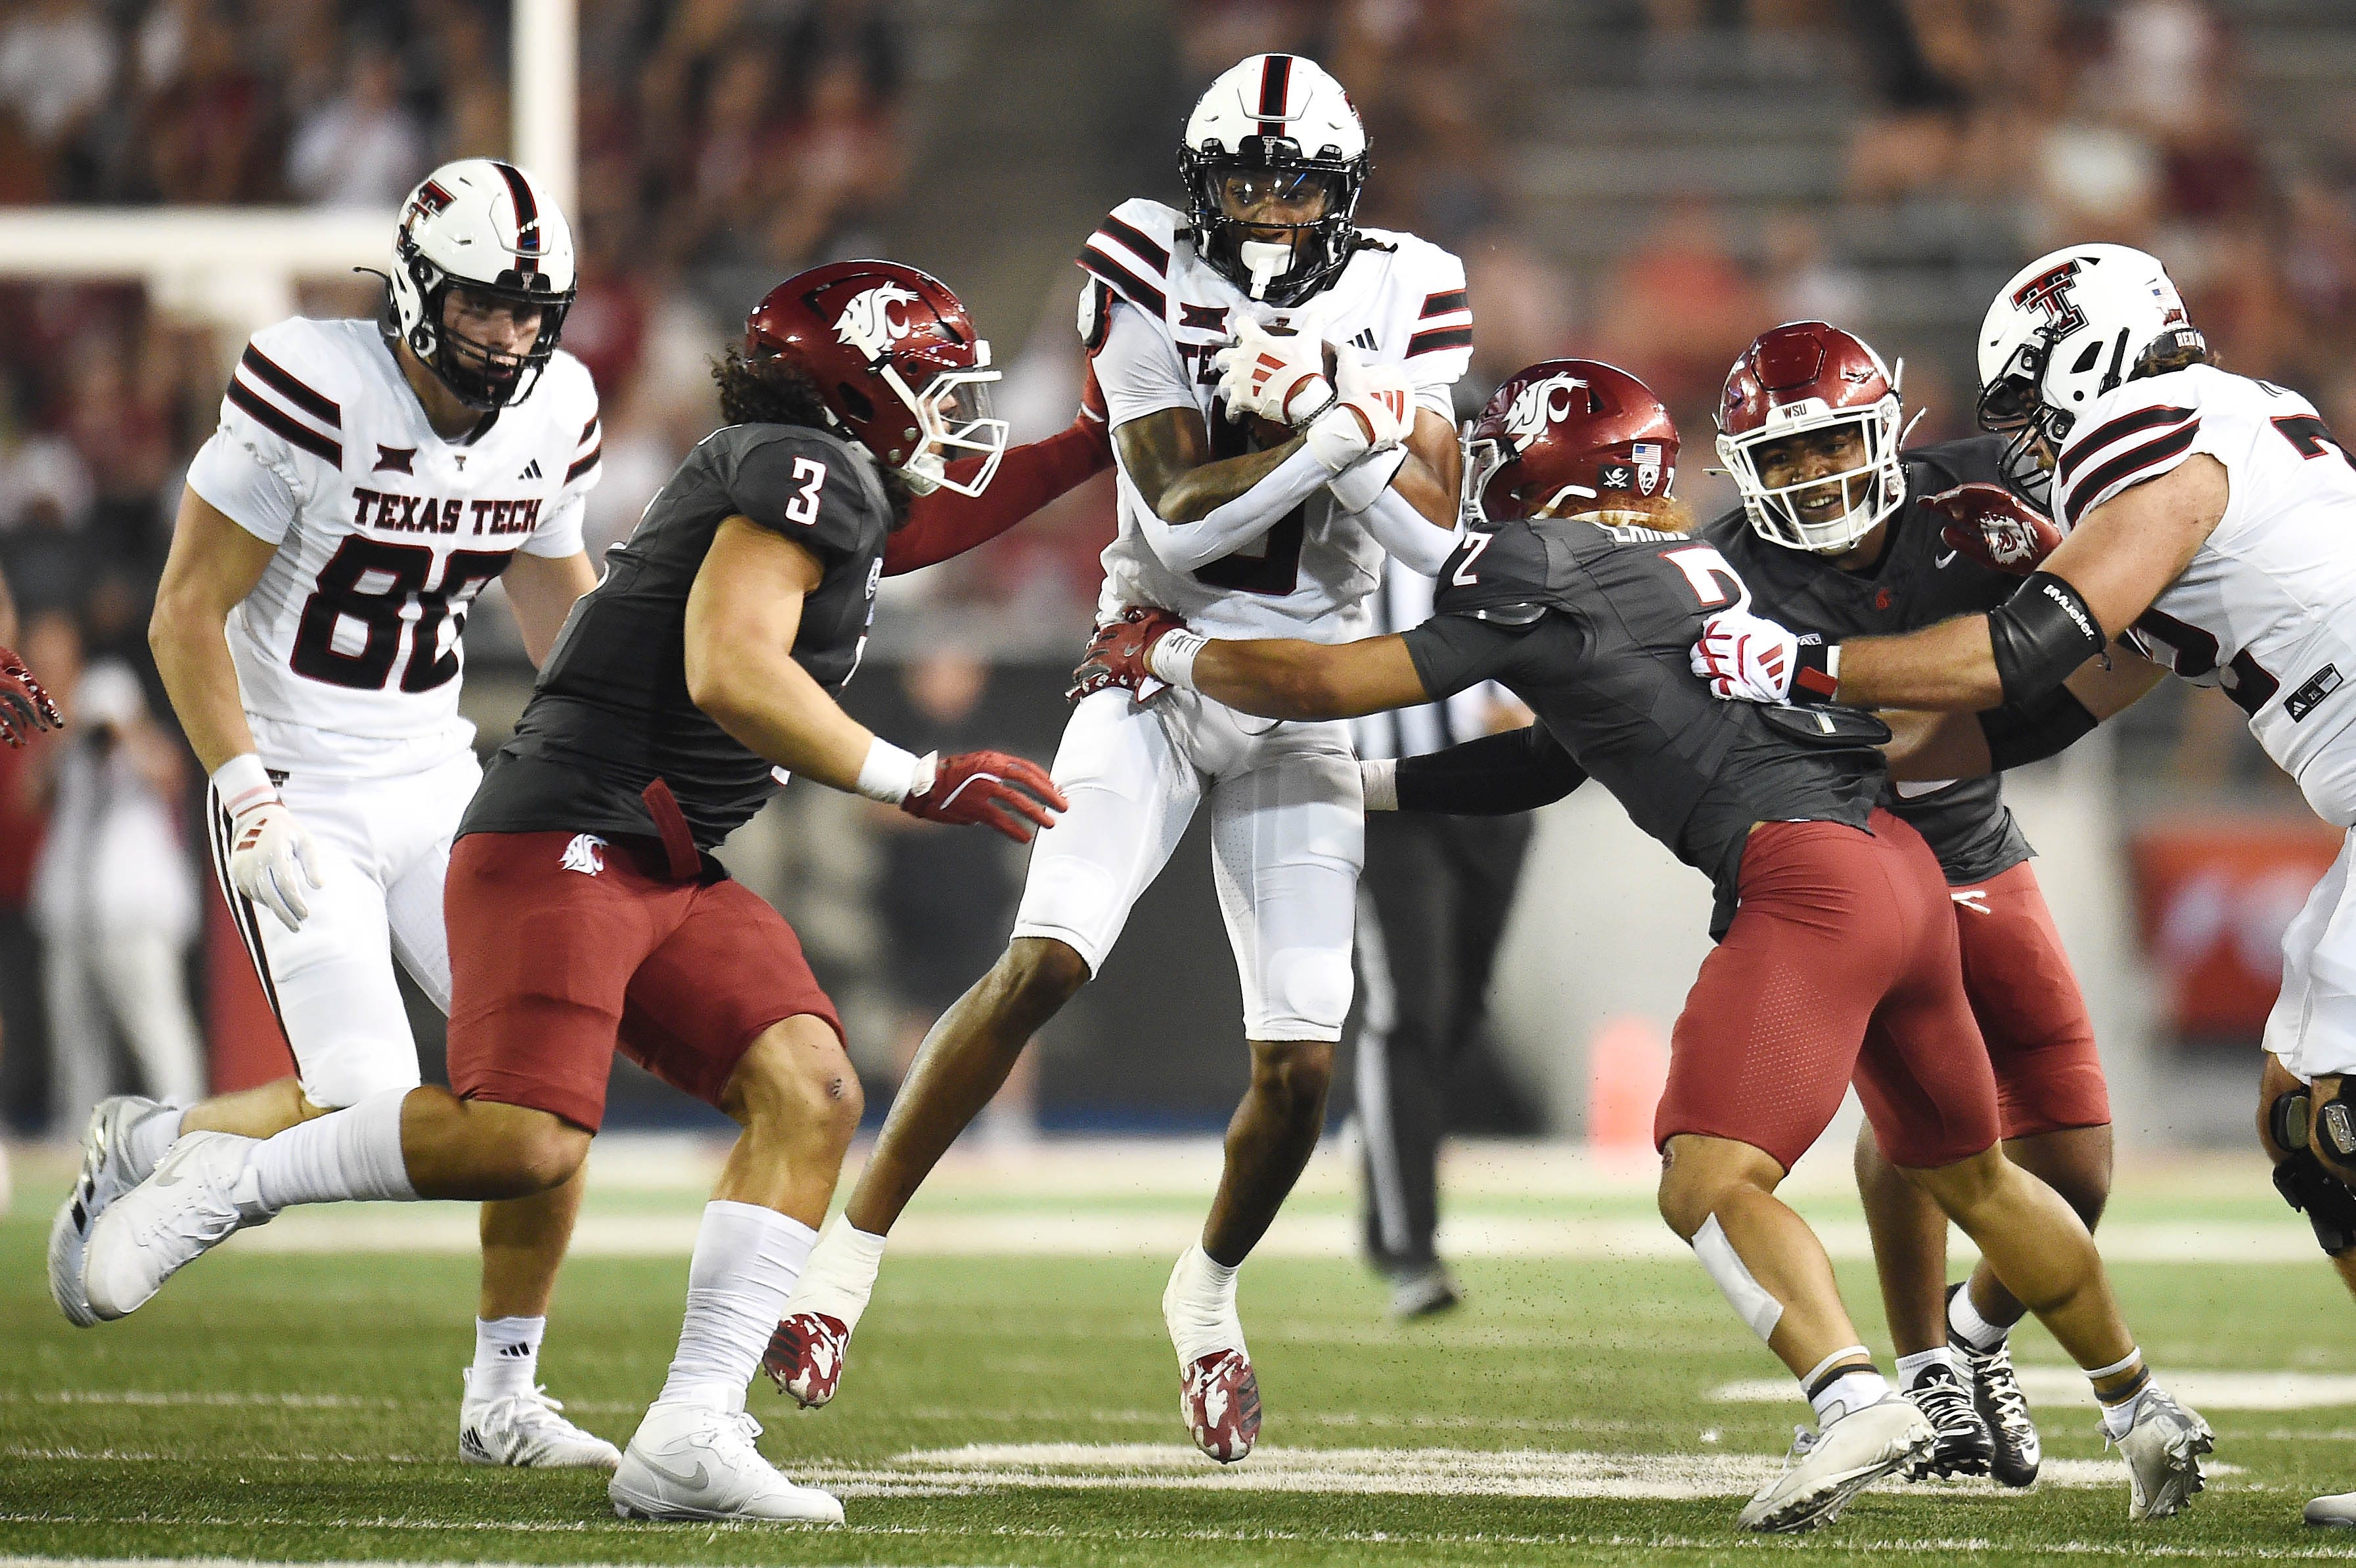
x: 2302, y: 1178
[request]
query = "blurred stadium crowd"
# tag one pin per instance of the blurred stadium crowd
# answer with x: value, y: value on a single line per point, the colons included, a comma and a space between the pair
x: 1646, y: 181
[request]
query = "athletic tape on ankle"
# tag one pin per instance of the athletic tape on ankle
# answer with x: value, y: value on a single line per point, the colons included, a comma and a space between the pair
x: 1725, y: 1267
x: 1816, y: 1373
x: 2131, y: 1358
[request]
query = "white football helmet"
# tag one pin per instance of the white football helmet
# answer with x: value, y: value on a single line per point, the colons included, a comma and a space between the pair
x: 491, y: 227
x: 1285, y: 117
x: 2069, y: 327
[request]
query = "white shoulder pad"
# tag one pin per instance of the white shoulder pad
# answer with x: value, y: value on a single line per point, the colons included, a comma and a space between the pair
x: 289, y: 389
x: 1430, y: 284
x: 1129, y: 255
x: 574, y: 409
x: 2136, y: 431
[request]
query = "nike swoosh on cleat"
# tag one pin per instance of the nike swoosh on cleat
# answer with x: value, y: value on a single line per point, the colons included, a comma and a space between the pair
x: 696, y: 1482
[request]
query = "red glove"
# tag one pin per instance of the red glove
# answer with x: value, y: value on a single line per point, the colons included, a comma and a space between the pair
x: 1994, y: 526
x: 1117, y: 655
x: 24, y: 706
x: 990, y: 788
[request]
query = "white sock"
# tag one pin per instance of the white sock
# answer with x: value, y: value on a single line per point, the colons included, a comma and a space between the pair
x: 746, y: 1260
x: 147, y: 1142
x: 1201, y: 1307
x: 1847, y: 1393
x: 841, y: 1273
x: 1911, y: 1367
x: 507, y: 1356
x: 1965, y: 1322
x: 343, y: 1156
x: 2117, y: 1418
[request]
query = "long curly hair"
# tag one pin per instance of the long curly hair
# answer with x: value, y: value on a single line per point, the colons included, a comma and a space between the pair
x: 771, y: 390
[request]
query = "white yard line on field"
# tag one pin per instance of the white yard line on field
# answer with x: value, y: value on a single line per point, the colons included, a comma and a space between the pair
x: 2203, y: 1389
x: 1053, y: 1230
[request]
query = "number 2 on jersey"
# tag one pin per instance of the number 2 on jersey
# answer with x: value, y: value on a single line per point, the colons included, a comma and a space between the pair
x: 1714, y: 582
x: 371, y: 581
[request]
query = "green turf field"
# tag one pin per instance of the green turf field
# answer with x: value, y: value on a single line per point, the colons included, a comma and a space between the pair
x: 281, y: 1402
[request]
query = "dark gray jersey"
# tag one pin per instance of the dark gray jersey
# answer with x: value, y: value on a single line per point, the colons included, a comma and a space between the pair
x: 1593, y: 628
x: 1917, y: 583
x: 611, y: 713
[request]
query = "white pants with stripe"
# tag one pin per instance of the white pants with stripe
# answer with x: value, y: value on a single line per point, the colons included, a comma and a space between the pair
x: 383, y: 845
x: 1288, y: 837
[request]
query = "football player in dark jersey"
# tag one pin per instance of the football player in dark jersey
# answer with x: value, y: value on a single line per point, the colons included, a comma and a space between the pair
x: 1841, y: 534
x: 1837, y: 955
x: 586, y: 912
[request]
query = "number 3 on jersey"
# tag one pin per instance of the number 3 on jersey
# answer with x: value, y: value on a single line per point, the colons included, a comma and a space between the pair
x: 372, y: 582
x: 802, y: 506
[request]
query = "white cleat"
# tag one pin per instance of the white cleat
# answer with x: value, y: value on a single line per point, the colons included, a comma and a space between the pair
x: 2163, y: 1451
x: 523, y: 1429
x: 2336, y: 1510
x: 1826, y: 1469
x: 107, y: 1173
x: 687, y: 1462
x: 203, y: 1192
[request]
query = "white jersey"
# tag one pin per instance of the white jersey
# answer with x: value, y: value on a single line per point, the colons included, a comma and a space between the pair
x: 348, y: 650
x: 2267, y: 607
x: 1154, y: 314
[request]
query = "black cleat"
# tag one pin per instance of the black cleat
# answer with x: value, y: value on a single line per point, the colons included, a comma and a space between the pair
x: 1997, y: 1393
x: 1963, y: 1446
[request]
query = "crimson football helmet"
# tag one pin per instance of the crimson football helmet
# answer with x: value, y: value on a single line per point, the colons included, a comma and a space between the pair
x: 1794, y: 380
x: 1567, y: 437
x: 896, y: 362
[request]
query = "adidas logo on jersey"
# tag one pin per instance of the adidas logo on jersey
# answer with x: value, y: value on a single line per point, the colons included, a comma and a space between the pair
x: 1366, y: 340
x: 530, y: 470
x: 584, y: 854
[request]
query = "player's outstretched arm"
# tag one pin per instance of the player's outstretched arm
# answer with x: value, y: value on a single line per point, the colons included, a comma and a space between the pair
x: 1276, y: 677
x: 1928, y: 747
x: 542, y: 588
x: 947, y: 523
x: 1497, y: 775
x: 742, y: 616
x: 2115, y: 564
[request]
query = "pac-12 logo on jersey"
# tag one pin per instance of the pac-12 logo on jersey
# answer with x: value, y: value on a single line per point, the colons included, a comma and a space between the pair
x: 584, y: 854
x: 866, y: 323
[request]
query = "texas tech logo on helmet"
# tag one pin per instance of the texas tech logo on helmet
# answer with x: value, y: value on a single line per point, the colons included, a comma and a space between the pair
x: 2051, y: 292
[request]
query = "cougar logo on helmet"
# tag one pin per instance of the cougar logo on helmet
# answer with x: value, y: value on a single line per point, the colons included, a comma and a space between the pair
x: 867, y: 324
x: 2050, y: 293
x: 1541, y: 403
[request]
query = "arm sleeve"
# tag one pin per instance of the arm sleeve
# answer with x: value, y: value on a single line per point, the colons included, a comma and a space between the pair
x: 1454, y: 651
x: 946, y: 524
x: 801, y: 489
x: 1411, y: 537
x: 239, y: 482
x: 1140, y: 369
x: 2034, y: 729
x: 1229, y: 526
x: 1496, y: 776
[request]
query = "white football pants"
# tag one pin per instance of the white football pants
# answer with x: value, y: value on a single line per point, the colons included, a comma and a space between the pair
x: 1288, y: 837
x: 383, y: 846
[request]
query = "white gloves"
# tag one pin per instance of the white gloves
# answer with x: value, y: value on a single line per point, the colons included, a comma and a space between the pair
x: 1277, y: 376
x: 271, y: 857
x: 1750, y: 659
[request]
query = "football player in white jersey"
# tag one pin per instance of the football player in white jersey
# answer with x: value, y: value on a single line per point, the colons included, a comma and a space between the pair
x: 369, y: 478
x: 2205, y: 518
x: 1227, y: 312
